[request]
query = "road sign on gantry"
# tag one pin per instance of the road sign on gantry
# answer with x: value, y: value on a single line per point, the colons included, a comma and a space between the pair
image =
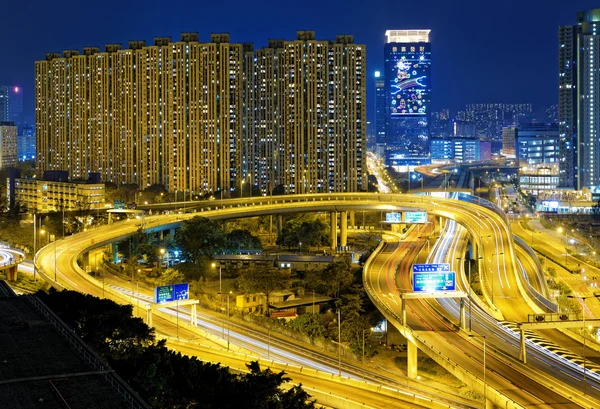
x: 431, y: 268
x: 173, y: 292
x: 434, y: 282
x: 415, y: 217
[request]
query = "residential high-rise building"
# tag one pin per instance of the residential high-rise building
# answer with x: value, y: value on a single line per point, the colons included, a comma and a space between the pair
x: 578, y: 108
x: 8, y: 144
x: 509, y: 140
x: 4, y: 103
x: 407, y: 55
x: 208, y: 118
x: 380, y: 108
x: 489, y: 119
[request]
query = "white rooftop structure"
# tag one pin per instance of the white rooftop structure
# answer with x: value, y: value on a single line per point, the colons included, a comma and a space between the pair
x: 407, y: 36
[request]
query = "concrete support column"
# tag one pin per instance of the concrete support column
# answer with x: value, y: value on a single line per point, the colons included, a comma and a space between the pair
x: 522, y: 350
x: 114, y: 248
x: 279, y: 224
x: 343, y: 229
x: 412, y: 354
x: 149, y: 317
x: 333, y: 232
x: 172, y: 233
x: 463, y: 320
x: 489, y: 404
x: 352, y: 219
x: 11, y: 273
x: 161, y: 235
x: 193, y: 321
x: 403, y: 311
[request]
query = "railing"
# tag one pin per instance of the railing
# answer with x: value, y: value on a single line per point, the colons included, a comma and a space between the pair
x: 132, y: 399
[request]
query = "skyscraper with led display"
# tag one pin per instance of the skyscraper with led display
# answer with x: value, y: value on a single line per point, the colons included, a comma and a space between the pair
x: 407, y: 78
x: 380, y: 108
x: 578, y: 107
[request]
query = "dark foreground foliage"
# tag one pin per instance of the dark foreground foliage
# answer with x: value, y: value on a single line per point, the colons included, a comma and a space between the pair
x: 164, y: 378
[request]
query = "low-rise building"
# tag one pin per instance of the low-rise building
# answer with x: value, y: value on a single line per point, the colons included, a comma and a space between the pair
x: 42, y: 196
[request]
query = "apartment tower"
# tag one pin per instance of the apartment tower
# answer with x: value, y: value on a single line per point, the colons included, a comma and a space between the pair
x: 207, y: 118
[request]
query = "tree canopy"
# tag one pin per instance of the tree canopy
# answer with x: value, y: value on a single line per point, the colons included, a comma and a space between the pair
x: 164, y: 378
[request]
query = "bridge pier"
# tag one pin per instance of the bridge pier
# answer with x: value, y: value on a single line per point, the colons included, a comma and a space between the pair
x: 333, y: 232
x: 114, y: 252
x: 343, y: 229
x: 463, y: 315
x: 352, y: 219
x: 279, y: 224
x: 411, y: 354
x: 161, y: 235
x: 172, y: 233
x: 11, y: 273
x: 522, y: 350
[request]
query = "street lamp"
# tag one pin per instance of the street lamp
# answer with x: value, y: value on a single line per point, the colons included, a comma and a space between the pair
x: 213, y: 265
x: 363, y: 339
x: 228, y: 320
x: 242, y: 189
x: 495, y: 254
x: 162, y: 256
x: 583, y: 350
x: 484, y: 368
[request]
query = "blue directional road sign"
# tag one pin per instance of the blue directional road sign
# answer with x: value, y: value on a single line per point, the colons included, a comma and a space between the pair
x: 173, y: 292
x: 415, y: 217
x: 434, y: 282
x: 431, y: 268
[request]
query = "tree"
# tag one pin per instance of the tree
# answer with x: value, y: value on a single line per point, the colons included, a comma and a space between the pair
x: 337, y: 275
x: 199, y: 239
x: 261, y: 279
x: 107, y: 327
x: 310, y: 324
x: 242, y: 240
x: 171, y: 276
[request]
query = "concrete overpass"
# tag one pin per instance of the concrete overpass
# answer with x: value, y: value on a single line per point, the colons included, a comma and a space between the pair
x: 470, y: 215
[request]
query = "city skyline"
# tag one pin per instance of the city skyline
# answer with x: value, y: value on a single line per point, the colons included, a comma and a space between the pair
x: 479, y: 62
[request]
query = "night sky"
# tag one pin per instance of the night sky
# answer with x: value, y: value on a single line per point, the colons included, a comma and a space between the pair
x: 482, y: 50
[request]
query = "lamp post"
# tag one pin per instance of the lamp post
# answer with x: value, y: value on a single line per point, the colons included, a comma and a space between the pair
x: 162, y: 257
x: 484, y: 368
x: 583, y: 349
x: 228, y: 320
x: 495, y: 254
x: 242, y: 189
x: 213, y: 265
x: 363, y: 344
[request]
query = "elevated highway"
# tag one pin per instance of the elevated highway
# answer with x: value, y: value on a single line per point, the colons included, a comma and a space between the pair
x: 489, y: 232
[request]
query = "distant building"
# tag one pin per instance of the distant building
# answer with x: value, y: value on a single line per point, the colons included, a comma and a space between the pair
x: 407, y: 55
x: 455, y: 149
x: 537, y: 145
x: 578, y: 112
x: 4, y: 104
x: 463, y: 129
x: 8, y: 144
x: 509, y: 140
x: 485, y: 150
x: 489, y: 119
x: 42, y: 196
x: 26, y: 143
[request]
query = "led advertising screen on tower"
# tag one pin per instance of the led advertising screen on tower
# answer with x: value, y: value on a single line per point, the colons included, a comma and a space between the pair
x: 407, y: 76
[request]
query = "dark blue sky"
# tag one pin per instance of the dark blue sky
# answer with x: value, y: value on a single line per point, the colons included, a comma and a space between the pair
x: 483, y: 50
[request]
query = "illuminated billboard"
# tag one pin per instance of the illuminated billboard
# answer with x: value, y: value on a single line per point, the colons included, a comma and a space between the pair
x: 408, y: 71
